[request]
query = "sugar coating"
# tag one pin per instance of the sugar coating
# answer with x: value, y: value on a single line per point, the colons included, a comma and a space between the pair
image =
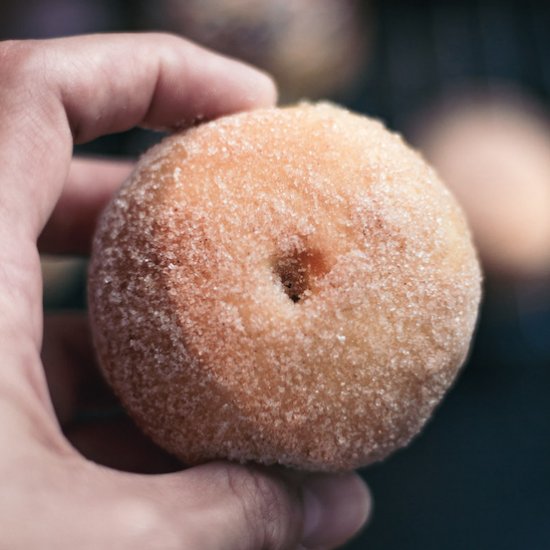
x: 288, y: 286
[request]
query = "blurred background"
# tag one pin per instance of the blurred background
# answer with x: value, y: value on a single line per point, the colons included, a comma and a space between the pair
x: 468, y: 83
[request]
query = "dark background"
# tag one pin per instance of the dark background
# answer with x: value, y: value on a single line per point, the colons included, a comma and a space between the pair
x: 478, y: 477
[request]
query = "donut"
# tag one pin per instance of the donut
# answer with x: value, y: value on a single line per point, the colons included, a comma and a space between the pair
x: 494, y: 154
x: 287, y: 285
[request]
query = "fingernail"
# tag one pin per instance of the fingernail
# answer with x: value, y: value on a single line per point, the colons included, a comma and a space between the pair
x: 335, y: 508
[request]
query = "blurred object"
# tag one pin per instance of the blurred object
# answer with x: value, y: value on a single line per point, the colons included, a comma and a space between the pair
x: 64, y: 281
x: 314, y: 48
x: 493, y: 151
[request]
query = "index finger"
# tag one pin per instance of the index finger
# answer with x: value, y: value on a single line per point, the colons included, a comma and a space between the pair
x: 76, y: 89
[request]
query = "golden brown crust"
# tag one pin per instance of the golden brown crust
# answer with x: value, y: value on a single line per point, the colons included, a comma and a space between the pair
x: 287, y: 285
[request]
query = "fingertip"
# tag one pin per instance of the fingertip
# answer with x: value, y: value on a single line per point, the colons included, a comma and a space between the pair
x: 336, y: 508
x: 251, y: 88
x: 267, y: 93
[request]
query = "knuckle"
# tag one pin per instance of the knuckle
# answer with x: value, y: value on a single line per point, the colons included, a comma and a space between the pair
x: 267, y: 505
x: 17, y: 59
x: 28, y: 91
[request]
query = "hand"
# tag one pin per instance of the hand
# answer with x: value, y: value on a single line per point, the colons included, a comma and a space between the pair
x: 53, y: 94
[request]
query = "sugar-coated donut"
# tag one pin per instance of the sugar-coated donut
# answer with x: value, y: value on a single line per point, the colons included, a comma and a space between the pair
x: 287, y: 286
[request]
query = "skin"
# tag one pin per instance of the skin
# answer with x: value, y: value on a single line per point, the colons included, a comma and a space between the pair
x: 53, y: 94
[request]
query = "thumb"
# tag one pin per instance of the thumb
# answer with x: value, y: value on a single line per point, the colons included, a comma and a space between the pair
x: 250, y: 508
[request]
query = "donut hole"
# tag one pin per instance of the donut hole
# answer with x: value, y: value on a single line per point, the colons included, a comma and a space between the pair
x: 298, y: 270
